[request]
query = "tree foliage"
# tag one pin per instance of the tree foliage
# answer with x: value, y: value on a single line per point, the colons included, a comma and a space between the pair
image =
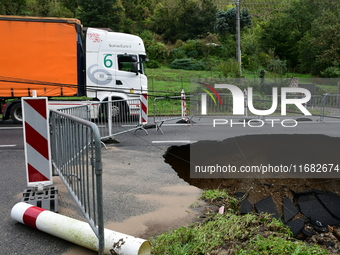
x: 101, y: 13
x: 226, y: 21
x: 183, y: 19
x: 306, y: 35
x: 301, y: 35
x: 12, y: 7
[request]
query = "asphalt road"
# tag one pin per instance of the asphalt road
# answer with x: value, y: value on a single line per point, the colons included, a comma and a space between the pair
x: 143, y: 196
x: 17, y: 238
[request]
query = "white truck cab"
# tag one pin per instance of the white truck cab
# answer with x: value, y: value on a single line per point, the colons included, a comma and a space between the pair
x: 114, y: 65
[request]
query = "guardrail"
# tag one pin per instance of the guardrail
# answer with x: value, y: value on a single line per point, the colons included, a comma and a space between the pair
x: 76, y: 157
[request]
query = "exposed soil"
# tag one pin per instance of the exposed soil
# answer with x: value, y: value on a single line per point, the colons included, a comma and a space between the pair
x: 265, y: 149
x: 275, y: 150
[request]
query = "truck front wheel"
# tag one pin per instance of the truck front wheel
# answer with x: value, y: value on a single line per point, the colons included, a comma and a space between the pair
x: 119, y: 111
x: 16, y: 113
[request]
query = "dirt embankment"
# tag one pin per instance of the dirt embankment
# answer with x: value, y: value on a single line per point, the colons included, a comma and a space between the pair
x: 312, y: 194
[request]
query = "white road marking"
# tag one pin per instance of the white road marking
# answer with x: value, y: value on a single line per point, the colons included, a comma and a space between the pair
x: 8, y: 145
x: 174, y: 141
x: 11, y: 127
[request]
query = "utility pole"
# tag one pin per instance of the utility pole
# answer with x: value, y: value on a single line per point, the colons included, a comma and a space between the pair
x: 238, y: 37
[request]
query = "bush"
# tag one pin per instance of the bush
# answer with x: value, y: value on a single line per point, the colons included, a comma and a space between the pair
x: 229, y: 68
x: 153, y: 64
x: 277, y: 66
x: 187, y: 64
x: 331, y: 72
x: 178, y: 53
x: 157, y: 51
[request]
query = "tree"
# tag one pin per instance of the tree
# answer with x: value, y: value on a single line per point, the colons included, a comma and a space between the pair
x: 139, y: 10
x: 46, y: 8
x: 12, y: 7
x: 183, y: 19
x: 197, y: 18
x: 101, y: 13
x: 305, y: 34
x: 71, y: 5
x: 58, y: 10
x: 226, y: 21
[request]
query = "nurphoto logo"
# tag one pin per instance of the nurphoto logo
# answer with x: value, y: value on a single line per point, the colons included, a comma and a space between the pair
x: 243, y: 101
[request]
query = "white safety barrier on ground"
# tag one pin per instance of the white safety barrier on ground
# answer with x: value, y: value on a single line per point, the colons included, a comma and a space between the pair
x: 78, y: 232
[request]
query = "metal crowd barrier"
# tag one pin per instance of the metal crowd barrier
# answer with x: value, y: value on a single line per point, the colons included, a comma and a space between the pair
x: 76, y: 158
x: 80, y: 111
x: 330, y: 106
x: 117, y: 117
x: 327, y: 105
x: 172, y: 108
x: 112, y: 117
x: 314, y: 105
x: 224, y: 106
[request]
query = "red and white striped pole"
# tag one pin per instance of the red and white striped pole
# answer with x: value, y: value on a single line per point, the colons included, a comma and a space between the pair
x: 37, y: 141
x: 78, y: 232
x: 144, y: 108
x: 184, y: 106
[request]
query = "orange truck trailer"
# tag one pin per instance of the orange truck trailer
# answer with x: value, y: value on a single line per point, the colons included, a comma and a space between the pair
x: 55, y: 58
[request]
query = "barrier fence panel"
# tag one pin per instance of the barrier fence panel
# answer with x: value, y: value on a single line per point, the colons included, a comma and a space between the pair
x: 172, y: 108
x: 80, y: 111
x: 167, y: 108
x: 323, y: 106
x: 117, y: 117
x: 112, y: 117
x: 207, y: 105
x: 331, y: 106
x: 314, y: 105
x: 76, y: 157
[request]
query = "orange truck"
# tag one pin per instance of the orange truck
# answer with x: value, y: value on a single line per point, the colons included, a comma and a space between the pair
x: 56, y: 57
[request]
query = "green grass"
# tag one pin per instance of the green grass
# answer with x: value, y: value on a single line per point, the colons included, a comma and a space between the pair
x: 214, y: 194
x: 276, y: 246
x: 244, y: 234
x: 172, y: 81
x: 165, y: 81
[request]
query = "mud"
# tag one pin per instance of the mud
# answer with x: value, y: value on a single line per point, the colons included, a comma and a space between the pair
x: 173, y: 212
x: 142, y: 198
x: 256, y: 150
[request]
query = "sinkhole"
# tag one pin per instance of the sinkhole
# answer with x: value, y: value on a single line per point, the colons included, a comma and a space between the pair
x: 302, y: 151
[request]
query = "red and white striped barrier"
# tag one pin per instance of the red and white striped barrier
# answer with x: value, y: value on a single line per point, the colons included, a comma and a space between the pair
x: 37, y: 140
x: 144, y: 108
x: 184, y: 106
x: 185, y: 119
x: 78, y: 232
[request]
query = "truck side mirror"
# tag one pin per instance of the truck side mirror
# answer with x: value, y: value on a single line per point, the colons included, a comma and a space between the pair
x: 135, y: 67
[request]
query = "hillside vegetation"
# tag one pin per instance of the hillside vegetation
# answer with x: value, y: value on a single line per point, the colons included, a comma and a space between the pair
x: 276, y: 36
